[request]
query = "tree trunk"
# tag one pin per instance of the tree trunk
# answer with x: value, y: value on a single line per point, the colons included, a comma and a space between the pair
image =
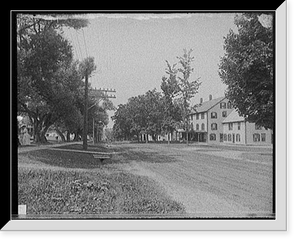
x: 146, y: 137
x: 76, y: 136
x: 68, y: 136
x: 187, y: 132
x: 62, y: 136
x: 40, y: 133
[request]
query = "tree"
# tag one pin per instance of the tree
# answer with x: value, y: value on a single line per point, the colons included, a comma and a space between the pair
x: 247, y: 68
x: 140, y: 115
x: 187, y: 89
x: 122, y: 123
x: 171, y: 112
x: 152, y: 113
x: 45, y: 84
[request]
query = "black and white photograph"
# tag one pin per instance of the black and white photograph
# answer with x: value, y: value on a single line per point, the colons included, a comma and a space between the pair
x: 145, y: 115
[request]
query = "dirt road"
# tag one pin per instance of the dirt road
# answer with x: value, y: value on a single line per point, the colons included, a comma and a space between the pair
x: 209, y: 181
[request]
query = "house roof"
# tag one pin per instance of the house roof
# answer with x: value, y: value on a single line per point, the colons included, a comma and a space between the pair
x: 233, y: 117
x: 205, y: 106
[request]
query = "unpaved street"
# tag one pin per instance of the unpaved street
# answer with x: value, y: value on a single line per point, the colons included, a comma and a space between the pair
x: 209, y: 181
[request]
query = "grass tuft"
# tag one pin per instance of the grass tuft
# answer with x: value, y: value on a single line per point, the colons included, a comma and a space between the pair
x: 50, y: 190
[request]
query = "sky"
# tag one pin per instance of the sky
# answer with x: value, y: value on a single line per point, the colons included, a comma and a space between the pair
x: 130, y: 50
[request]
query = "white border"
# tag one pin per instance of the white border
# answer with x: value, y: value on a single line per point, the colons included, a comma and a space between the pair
x: 280, y: 223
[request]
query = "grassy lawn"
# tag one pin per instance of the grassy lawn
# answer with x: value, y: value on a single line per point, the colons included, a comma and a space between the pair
x: 79, y: 184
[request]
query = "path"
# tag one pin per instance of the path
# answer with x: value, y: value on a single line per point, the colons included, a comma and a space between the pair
x: 208, y: 182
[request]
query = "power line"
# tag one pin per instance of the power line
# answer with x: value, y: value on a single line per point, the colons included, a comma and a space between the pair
x: 85, y: 43
x: 74, y: 45
x: 79, y: 46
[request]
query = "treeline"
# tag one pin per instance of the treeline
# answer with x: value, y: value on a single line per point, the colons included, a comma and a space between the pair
x: 154, y: 112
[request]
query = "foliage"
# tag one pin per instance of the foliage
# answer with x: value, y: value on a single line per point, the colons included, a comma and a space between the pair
x: 87, y: 66
x: 50, y: 87
x: 153, y: 112
x: 141, y: 114
x: 247, y: 68
x: 183, y: 88
x: 171, y: 111
x: 42, y: 92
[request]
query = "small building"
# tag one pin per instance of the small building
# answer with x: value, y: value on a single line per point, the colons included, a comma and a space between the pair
x: 236, y: 130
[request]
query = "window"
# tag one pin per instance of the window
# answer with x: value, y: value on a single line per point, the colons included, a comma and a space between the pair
x: 202, y: 115
x: 225, y: 137
x: 212, y: 137
x: 229, y: 106
x: 197, y: 116
x: 192, y: 126
x: 221, y: 137
x: 230, y: 126
x: 213, y: 115
x: 229, y: 137
x: 256, y: 137
x: 202, y: 126
x: 224, y: 113
x: 222, y: 105
x: 192, y: 116
x: 239, y: 125
x: 263, y: 137
x: 197, y: 126
x: 214, y: 126
x: 237, y: 137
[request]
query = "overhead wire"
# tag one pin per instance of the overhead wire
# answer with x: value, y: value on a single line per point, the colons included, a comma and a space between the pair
x: 81, y: 56
x: 74, y: 46
x: 84, y: 43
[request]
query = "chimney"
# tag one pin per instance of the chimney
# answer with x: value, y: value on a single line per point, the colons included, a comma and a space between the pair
x: 201, y: 100
x: 210, y: 97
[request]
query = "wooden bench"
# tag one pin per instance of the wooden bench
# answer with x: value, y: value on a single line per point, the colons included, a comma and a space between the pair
x: 102, y: 156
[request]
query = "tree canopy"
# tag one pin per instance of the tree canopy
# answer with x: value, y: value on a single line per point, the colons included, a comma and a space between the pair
x: 50, y: 86
x: 154, y: 112
x: 247, y: 67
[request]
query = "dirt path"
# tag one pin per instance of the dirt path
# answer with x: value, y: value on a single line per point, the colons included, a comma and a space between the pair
x: 209, y: 182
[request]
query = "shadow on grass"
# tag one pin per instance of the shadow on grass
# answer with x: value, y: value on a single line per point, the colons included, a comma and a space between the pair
x: 82, y: 160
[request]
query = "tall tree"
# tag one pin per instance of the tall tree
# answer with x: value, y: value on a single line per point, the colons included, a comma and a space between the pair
x: 187, y: 88
x: 122, y: 123
x: 247, y: 67
x: 140, y: 115
x: 171, y: 112
x: 44, y: 58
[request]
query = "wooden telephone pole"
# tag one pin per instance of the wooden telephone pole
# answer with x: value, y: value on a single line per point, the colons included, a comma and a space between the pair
x: 85, y: 116
x: 97, y: 93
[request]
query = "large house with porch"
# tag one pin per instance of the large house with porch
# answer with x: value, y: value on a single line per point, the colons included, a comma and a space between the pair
x: 215, y: 121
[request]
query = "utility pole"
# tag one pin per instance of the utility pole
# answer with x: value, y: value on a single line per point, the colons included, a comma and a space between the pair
x: 85, y: 118
x: 98, y: 94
